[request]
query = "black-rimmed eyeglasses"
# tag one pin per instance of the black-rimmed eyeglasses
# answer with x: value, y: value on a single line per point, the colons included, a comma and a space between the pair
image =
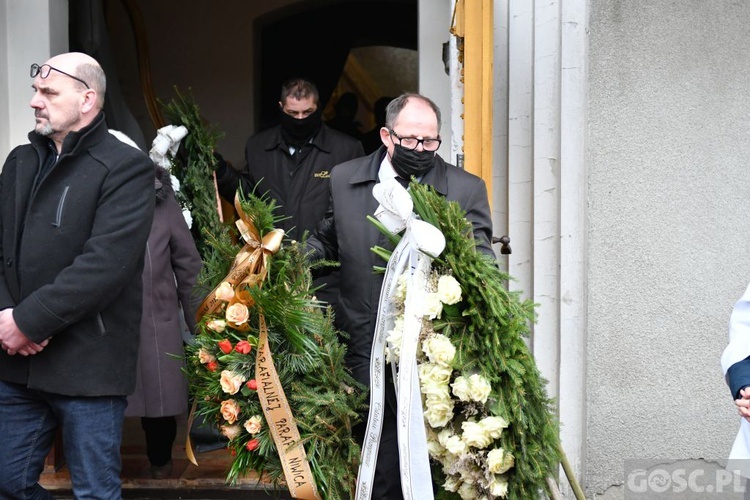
x: 44, y: 70
x: 413, y: 142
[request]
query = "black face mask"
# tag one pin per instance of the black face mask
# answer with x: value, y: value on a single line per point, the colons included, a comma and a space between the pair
x: 408, y: 162
x: 298, y: 132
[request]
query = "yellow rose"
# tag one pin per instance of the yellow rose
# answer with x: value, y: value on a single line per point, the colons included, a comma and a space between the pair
x: 217, y: 325
x: 494, y: 426
x: 230, y: 431
x: 225, y: 292
x: 230, y: 410
x: 474, y: 435
x: 439, y: 411
x: 254, y: 424
x: 499, y: 461
x: 448, y: 290
x: 231, y: 382
x: 439, y: 349
x: 237, y: 313
x: 205, y: 357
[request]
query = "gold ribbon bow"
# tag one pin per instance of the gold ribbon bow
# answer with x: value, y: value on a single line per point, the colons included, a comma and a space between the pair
x: 250, y: 267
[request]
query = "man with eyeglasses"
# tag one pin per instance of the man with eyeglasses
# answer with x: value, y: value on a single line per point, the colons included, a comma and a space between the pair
x: 291, y: 163
x: 411, y: 138
x: 76, y: 212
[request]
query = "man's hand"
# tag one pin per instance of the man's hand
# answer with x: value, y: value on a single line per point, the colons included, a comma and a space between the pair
x: 12, y: 340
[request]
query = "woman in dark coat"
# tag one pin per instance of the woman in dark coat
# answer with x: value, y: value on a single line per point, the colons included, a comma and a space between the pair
x: 172, y: 264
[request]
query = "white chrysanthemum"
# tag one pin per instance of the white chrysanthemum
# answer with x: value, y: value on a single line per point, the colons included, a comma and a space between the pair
x: 467, y: 491
x: 394, y: 339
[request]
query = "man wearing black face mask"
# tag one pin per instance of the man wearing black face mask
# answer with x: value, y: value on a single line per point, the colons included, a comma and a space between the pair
x: 292, y: 164
x: 411, y: 137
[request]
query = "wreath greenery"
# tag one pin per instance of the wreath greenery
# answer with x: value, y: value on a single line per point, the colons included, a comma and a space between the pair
x: 472, y: 454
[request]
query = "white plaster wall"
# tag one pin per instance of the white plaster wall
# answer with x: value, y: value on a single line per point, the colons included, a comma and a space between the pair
x: 32, y: 31
x: 668, y: 232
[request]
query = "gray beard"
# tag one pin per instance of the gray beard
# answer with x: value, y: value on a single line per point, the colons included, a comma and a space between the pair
x: 45, y: 130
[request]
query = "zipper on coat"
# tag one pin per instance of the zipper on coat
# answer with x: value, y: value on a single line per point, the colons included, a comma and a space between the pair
x: 60, y: 205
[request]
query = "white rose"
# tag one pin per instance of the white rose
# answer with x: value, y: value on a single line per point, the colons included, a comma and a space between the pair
x: 461, y: 388
x: 432, y: 306
x: 452, y: 483
x: 499, y: 486
x: 448, y: 290
x: 253, y: 424
x: 499, y: 461
x: 455, y: 445
x: 225, y: 292
x: 479, y: 388
x: 474, y: 435
x: 439, y: 411
x: 494, y: 426
x: 400, y: 294
x: 434, y: 448
x: 434, y: 379
x: 439, y: 349
x: 205, y: 357
x: 231, y: 382
x: 230, y: 431
x: 467, y: 491
x: 443, y: 436
x: 395, y: 339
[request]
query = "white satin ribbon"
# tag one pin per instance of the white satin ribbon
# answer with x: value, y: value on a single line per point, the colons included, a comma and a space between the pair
x: 167, y: 140
x: 419, y: 244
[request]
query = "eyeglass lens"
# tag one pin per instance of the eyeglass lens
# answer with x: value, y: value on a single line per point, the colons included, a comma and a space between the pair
x: 413, y: 142
x: 44, y: 70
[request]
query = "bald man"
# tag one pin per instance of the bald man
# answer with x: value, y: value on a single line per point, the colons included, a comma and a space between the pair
x: 75, y: 213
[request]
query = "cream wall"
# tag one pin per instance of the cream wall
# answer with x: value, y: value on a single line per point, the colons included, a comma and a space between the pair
x: 668, y: 236
x: 32, y: 31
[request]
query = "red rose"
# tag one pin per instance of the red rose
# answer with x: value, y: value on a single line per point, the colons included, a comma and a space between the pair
x: 252, y: 444
x: 252, y: 384
x: 225, y: 346
x: 243, y: 347
x: 212, y: 366
x: 233, y: 452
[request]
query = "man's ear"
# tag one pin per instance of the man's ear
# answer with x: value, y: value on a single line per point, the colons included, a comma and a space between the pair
x: 90, y: 98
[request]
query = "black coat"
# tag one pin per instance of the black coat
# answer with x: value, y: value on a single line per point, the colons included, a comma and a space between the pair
x: 72, y: 255
x: 299, y: 185
x: 347, y: 236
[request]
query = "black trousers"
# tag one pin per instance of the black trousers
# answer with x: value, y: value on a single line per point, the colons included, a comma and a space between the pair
x: 160, y: 435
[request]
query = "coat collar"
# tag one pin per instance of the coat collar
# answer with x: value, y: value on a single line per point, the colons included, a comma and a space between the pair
x: 437, y: 177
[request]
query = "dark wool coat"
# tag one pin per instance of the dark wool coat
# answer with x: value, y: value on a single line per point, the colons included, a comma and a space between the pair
x: 298, y: 184
x: 72, y: 255
x: 347, y: 236
x: 171, y: 266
